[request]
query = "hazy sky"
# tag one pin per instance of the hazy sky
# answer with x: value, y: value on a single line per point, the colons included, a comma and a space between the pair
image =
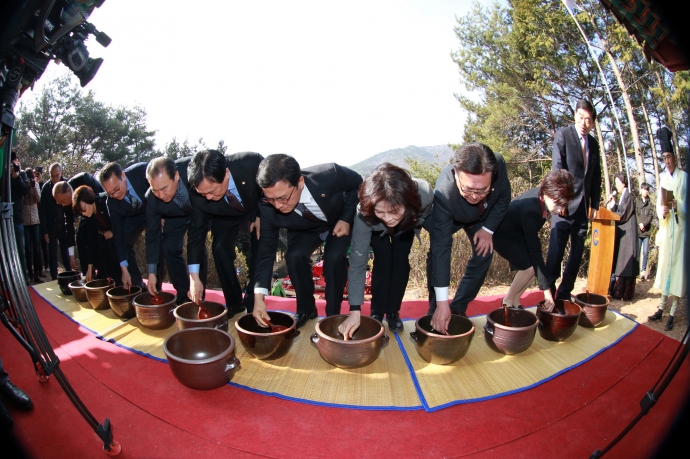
x: 321, y: 80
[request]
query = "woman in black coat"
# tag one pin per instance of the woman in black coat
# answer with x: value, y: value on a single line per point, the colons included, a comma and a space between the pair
x: 100, y: 253
x: 517, y: 239
x: 625, y: 254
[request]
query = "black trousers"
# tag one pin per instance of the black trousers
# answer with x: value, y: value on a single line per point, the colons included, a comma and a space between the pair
x: 391, y: 271
x: 472, y: 280
x: 301, y: 245
x: 131, y: 239
x: 573, y: 228
x: 225, y: 232
x: 172, y: 244
x: 55, y: 239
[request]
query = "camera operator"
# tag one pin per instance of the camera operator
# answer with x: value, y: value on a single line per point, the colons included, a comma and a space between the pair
x: 19, y: 188
x: 32, y: 230
x: 38, y: 173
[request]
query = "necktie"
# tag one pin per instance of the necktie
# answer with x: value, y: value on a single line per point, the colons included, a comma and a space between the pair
x: 234, y: 202
x: 182, y: 202
x: 306, y: 213
x: 480, y: 206
x: 584, y: 152
x: 133, y: 201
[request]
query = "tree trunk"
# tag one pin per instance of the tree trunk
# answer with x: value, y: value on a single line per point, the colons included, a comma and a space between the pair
x: 651, y: 144
x: 604, y: 164
x: 669, y: 118
x: 618, y: 153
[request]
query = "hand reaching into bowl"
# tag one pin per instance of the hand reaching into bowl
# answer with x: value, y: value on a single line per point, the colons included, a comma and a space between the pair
x: 350, y: 325
x: 549, y: 304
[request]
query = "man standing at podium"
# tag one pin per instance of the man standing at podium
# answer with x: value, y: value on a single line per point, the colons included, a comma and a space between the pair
x: 577, y: 152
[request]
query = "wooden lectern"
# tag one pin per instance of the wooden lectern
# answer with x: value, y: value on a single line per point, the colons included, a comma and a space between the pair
x: 601, y: 255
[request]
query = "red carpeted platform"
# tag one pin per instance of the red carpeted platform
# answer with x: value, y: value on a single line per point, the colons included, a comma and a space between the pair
x: 153, y: 416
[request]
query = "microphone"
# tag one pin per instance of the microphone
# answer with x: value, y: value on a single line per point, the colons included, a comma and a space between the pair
x: 613, y: 195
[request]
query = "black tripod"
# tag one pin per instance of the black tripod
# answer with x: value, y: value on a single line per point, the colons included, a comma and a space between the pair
x: 17, y: 311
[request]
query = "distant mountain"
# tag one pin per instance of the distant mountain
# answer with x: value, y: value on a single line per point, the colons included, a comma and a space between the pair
x: 437, y: 153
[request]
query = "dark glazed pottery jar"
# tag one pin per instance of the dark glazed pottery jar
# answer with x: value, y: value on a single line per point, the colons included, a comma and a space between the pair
x: 363, y: 349
x: 155, y: 316
x: 201, y: 358
x: 594, y: 307
x: 121, y: 301
x: 78, y: 290
x: 95, y: 293
x: 443, y: 349
x: 65, y: 278
x: 561, y: 322
x: 260, y: 342
x: 513, y: 339
x: 187, y: 316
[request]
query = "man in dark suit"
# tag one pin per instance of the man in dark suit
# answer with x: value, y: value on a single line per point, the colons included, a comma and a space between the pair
x: 577, y: 152
x: 473, y: 193
x: 56, y: 225
x: 316, y: 204
x: 62, y: 193
x: 168, y: 208
x: 127, y: 208
x: 224, y: 196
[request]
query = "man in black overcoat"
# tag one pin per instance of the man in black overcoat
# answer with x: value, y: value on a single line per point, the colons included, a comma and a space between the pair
x: 315, y: 204
x: 57, y: 226
x: 225, y: 197
x: 576, y: 151
x: 473, y: 193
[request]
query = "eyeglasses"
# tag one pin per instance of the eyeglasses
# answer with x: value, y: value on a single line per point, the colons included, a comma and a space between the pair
x: 275, y: 201
x: 115, y: 191
x: 468, y: 191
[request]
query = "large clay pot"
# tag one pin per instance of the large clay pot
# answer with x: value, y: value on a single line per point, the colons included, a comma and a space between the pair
x: 155, y: 316
x: 594, y: 307
x: 513, y: 339
x: 560, y: 323
x: 65, y: 278
x: 78, y: 290
x: 260, y: 342
x: 95, y: 292
x: 121, y: 301
x: 201, y: 358
x: 363, y: 349
x: 187, y: 316
x: 443, y: 349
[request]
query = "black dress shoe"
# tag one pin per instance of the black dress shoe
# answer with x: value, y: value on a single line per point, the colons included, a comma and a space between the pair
x: 377, y: 316
x: 430, y: 312
x: 144, y: 288
x: 6, y: 421
x: 302, y: 319
x: 656, y: 316
x: 235, y: 310
x: 16, y: 396
x: 669, y: 324
x: 182, y: 300
x: 394, y: 322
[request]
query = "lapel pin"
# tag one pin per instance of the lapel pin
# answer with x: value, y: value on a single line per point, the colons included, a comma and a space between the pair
x: 323, y: 195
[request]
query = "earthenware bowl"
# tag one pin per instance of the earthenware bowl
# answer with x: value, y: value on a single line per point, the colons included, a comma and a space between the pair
x: 187, y: 316
x: 95, y: 292
x: 155, y: 316
x: 65, y: 278
x: 201, y: 358
x: 362, y: 349
x: 560, y: 323
x: 513, y: 339
x: 78, y: 290
x: 260, y: 343
x: 594, y: 306
x: 442, y: 349
x: 121, y: 301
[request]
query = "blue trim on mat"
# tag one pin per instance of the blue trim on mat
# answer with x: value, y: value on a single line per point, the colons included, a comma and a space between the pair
x: 417, y: 387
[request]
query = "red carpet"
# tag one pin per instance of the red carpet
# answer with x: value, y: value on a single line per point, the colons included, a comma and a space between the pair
x: 153, y: 416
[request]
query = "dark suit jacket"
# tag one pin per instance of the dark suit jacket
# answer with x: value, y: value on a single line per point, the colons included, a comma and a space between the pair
x: 156, y: 210
x: 123, y: 216
x: 82, y: 178
x: 243, y: 168
x: 521, y: 225
x: 51, y: 214
x: 451, y: 212
x: 92, y: 228
x: 333, y: 187
x: 567, y: 154
x: 626, y: 253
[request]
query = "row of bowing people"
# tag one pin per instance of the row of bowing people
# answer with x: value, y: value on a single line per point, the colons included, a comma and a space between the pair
x: 325, y: 204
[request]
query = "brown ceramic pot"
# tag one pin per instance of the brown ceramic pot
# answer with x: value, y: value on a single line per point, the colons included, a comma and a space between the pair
x: 260, y: 343
x: 594, y: 309
x: 443, y: 349
x: 78, y: 290
x: 155, y: 316
x: 513, y: 339
x: 65, y: 278
x: 561, y: 322
x: 121, y: 301
x: 95, y: 292
x: 362, y: 349
x: 187, y: 316
x: 201, y: 358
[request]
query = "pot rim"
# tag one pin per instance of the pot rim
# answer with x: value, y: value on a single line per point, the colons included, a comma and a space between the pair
x: 371, y: 339
x: 591, y: 305
x: 503, y: 327
x: 166, y: 304
x: 199, y: 321
x: 438, y: 335
x: 540, y: 309
x: 251, y: 333
x: 79, y: 283
x: 122, y: 297
x: 223, y: 354
x: 109, y: 286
